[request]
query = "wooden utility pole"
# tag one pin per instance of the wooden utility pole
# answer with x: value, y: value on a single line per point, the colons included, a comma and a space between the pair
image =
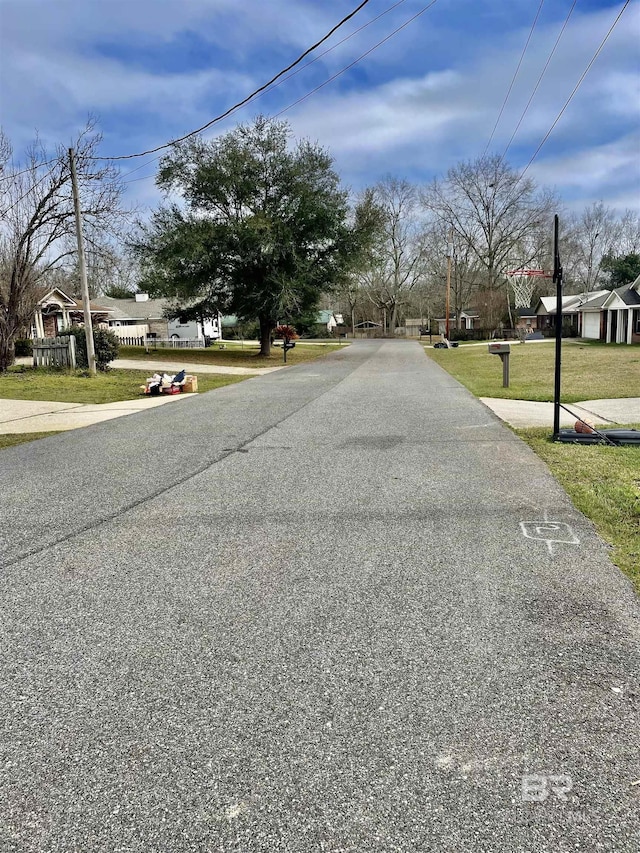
x: 557, y: 277
x: 82, y: 266
x: 448, y: 296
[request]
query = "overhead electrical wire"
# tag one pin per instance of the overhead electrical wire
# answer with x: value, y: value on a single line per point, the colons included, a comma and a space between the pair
x: 575, y: 89
x: 513, y: 79
x: 288, y: 77
x: 338, y: 73
x: 248, y: 98
x: 355, y: 61
x: 539, y: 80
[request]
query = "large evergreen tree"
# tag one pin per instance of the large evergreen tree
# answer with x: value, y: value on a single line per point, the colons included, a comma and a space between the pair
x: 263, y: 228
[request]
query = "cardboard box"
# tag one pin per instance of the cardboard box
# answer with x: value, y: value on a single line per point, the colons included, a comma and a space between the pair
x: 190, y: 384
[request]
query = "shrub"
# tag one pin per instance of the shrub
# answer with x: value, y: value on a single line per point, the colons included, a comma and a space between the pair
x: 24, y: 347
x: 106, y: 345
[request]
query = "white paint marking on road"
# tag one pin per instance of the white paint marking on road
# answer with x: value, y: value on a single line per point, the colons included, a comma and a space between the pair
x: 549, y: 532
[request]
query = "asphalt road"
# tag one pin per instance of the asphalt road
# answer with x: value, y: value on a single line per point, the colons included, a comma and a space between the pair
x: 339, y: 608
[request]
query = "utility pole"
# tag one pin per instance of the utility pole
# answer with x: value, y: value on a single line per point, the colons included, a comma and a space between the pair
x: 448, y: 296
x: 557, y: 277
x: 82, y: 266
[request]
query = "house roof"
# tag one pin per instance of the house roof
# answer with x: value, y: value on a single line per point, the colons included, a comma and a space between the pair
x: 571, y: 302
x: 129, y: 309
x: 526, y: 312
x: 630, y: 293
x: 45, y: 293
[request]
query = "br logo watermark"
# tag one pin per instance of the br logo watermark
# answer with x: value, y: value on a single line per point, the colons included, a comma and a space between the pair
x: 538, y: 787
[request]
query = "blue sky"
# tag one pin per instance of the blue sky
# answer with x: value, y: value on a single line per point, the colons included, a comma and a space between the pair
x: 151, y: 70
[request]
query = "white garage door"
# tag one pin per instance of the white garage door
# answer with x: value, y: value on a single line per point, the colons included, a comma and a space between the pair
x: 591, y: 325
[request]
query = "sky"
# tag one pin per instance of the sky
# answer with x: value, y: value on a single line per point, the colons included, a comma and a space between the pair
x: 415, y: 106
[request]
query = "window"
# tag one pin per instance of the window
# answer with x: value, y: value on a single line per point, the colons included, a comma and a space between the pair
x: 636, y: 321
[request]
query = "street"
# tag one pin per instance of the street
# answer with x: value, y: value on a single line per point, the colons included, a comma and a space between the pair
x: 339, y: 607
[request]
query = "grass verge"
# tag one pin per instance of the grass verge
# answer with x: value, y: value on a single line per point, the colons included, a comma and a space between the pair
x: 233, y: 355
x: 59, y: 386
x: 603, y: 483
x: 12, y: 440
x: 588, y: 372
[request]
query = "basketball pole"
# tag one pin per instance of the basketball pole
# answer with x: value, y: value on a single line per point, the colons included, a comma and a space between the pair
x: 557, y: 277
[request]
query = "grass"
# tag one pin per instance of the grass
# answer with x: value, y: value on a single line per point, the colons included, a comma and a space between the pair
x: 590, y: 371
x: 12, y: 440
x: 603, y: 483
x: 28, y: 383
x: 233, y: 355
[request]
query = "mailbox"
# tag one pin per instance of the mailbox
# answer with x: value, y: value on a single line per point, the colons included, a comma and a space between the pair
x: 499, y: 348
x: 503, y: 350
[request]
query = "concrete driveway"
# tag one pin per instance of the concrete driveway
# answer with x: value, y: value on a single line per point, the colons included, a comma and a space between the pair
x: 338, y: 608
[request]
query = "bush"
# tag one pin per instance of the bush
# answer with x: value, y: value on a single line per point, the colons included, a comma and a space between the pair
x: 106, y: 345
x: 24, y: 347
x: 458, y: 335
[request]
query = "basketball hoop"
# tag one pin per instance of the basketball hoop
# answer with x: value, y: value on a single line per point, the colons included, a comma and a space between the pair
x: 522, y: 283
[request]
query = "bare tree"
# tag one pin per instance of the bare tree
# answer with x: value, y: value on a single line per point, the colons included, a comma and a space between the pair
x: 493, y: 211
x: 592, y: 235
x: 37, y: 225
x: 396, y: 262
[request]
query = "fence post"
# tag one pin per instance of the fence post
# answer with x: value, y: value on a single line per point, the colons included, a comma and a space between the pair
x: 72, y: 351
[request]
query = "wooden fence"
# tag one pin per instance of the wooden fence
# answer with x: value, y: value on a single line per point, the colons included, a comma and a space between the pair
x: 54, y: 352
x: 174, y: 343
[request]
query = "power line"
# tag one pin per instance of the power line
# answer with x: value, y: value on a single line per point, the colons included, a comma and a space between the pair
x: 289, y: 77
x: 513, y: 79
x: 355, y: 61
x: 577, y: 86
x: 30, y: 189
x: 29, y: 169
x: 244, y: 100
x: 539, y: 80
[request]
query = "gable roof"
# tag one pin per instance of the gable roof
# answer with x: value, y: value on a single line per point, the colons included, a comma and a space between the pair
x: 129, y: 309
x: 45, y: 293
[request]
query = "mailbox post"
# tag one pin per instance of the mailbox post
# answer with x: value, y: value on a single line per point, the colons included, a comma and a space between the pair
x: 504, y: 351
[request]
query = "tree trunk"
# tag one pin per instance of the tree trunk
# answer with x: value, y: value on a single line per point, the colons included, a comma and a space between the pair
x: 394, y: 320
x: 266, y: 327
x: 7, y: 351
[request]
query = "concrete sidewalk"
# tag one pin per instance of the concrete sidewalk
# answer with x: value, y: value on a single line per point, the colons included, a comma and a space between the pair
x: 174, y: 366
x: 526, y: 413
x: 23, y: 416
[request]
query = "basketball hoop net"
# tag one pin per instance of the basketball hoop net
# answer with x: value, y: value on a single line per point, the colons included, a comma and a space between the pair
x: 522, y: 283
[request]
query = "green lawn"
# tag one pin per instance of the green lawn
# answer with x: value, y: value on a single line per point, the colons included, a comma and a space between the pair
x: 12, y: 440
x: 233, y: 355
x: 604, y: 484
x: 27, y: 383
x: 590, y: 371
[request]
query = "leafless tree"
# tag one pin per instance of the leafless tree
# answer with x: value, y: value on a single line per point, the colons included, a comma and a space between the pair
x: 37, y: 225
x: 591, y: 235
x: 396, y: 261
x: 493, y: 212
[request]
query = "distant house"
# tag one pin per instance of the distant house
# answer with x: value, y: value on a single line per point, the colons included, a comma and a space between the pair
x: 526, y: 318
x: 467, y: 319
x: 620, y: 315
x: 141, y: 317
x: 56, y: 310
x: 612, y: 316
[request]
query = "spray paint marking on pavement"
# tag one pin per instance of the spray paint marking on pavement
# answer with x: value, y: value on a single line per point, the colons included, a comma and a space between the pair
x: 549, y: 532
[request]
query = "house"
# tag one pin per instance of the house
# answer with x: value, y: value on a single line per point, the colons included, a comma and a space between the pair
x: 142, y: 317
x: 620, y: 315
x: 612, y: 316
x: 467, y: 319
x: 526, y: 318
x: 56, y: 310
x: 571, y: 306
